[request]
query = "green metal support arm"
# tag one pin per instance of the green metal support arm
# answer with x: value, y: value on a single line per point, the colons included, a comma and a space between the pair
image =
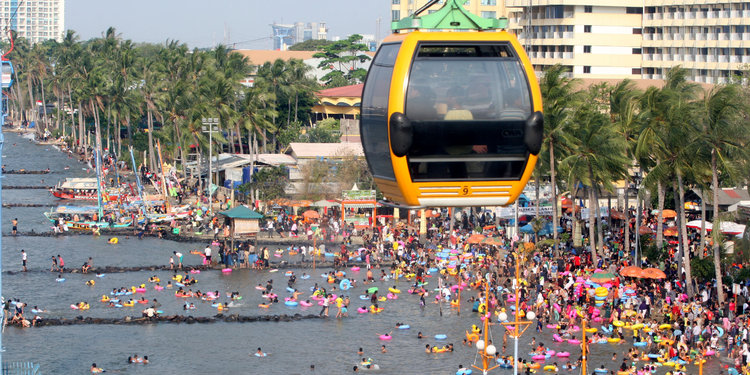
x: 453, y: 16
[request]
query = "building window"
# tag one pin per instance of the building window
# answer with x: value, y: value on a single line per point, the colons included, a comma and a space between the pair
x: 636, y: 51
x: 396, y: 2
x: 586, y: 49
x: 636, y: 71
x: 489, y: 2
x: 396, y: 15
x: 588, y: 9
x: 637, y: 31
x: 587, y: 69
x: 586, y: 28
x: 634, y: 10
x: 488, y: 14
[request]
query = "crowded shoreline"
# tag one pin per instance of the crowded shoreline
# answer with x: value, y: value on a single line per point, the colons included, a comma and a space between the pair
x: 698, y: 328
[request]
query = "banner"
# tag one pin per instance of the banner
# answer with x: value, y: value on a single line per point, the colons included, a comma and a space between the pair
x: 358, y: 195
x: 510, y: 212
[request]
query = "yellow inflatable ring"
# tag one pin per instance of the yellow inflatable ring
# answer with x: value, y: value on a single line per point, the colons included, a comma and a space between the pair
x: 113, y: 240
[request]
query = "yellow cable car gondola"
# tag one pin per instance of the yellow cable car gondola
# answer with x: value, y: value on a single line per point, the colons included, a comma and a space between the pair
x: 451, y: 117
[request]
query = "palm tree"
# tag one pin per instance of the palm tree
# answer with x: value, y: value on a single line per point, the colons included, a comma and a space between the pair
x: 151, y: 91
x: 596, y: 157
x: 559, y: 101
x: 623, y: 109
x: 669, y: 128
x: 722, y: 133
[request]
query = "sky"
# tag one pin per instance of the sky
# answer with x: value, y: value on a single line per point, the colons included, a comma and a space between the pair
x: 201, y: 23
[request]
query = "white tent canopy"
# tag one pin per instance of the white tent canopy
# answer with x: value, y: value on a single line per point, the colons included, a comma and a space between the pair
x: 727, y: 227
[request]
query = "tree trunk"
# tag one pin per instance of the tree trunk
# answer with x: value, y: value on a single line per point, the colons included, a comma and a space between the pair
x: 72, y: 118
x: 716, y: 227
x: 683, y: 225
x: 82, y: 131
x: 574, y: 226
x: 660, y: 218
x: 553, y: 191
x: 702, y: 243
x: 626, y: 211
x: 31, y: 99
x: 44, y: 106
x: 151, y: 159
x: 592, y: 228
x: 239, y: 139
x: 119, y: 136
x: 296, y: 105
x: 684, y: 252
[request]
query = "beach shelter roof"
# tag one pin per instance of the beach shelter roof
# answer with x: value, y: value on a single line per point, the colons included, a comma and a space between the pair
x: 241, y: 212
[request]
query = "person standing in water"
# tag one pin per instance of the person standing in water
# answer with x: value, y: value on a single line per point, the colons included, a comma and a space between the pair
x: 15, y: 226
x: 23, y: 259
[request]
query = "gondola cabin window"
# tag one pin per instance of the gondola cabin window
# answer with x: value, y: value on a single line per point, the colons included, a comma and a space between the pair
x: 374, y: 122
x: 468, y: 104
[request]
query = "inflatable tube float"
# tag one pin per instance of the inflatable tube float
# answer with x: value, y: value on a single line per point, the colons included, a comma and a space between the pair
x: 291, y: 303
x: 226, y: 270
x: 441, y: 337
x: 305, y: 303
x: 362, y: 310
x: 404, y: 326
x: 563, y: 354
x: 386, y: 337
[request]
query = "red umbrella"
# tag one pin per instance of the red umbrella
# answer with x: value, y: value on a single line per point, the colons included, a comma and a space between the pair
x: 645, y: 230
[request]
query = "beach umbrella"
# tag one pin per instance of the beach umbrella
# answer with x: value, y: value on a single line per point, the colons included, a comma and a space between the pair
x: 602, y: 277
x: 476, y: 238
x: 670, y: 232
x: 653, y: 273
x: 669, y: 214
x: 311, y: 214
x: 492, y: 241
x: 645, y: 230
x: 631, y: 271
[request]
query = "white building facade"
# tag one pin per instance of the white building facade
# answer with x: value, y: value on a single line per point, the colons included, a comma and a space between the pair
x: 35, y: 20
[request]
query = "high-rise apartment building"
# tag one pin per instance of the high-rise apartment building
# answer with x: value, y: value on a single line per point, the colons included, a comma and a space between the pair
x: 285, y: 36
x: 709, y: 37
x: 602, y: 40
x: 635, y: 38
x: 483, y: 8
x: 35, y: 20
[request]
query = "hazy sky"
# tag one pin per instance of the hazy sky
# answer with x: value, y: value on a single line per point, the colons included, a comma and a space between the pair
x: 201, y: 23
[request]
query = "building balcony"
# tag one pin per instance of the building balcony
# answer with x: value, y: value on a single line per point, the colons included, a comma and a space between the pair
x: 745, y: 59
x: 735, y: 59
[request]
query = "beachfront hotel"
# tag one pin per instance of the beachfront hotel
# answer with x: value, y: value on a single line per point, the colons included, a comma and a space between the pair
x: 616, y: 39
x: 35, y: 20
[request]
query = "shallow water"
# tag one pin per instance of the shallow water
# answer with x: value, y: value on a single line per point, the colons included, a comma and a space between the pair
x: 329, y: 344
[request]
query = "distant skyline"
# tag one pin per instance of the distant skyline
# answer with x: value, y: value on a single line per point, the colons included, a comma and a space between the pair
x: 204, y: 23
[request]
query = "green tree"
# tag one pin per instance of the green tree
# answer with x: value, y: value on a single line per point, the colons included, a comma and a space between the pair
x: 325, y: 131
x: 342, y: 58
x: 722, y: 135
x: 311, y: 45
x: 559, y: 101
x: 269, y: 183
